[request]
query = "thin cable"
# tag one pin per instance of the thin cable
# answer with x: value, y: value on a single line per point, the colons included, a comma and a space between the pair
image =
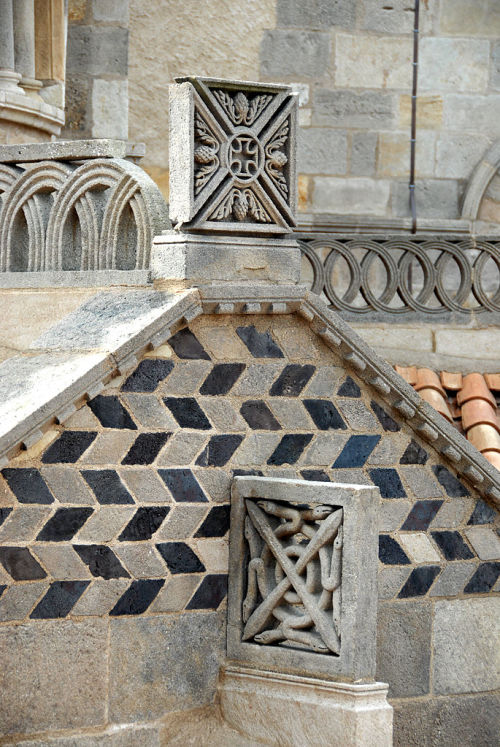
x: 413, y: 138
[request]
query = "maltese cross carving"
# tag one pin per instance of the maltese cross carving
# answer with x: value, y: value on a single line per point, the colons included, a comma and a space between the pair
x: 232, y: 156
x: 293, y: 575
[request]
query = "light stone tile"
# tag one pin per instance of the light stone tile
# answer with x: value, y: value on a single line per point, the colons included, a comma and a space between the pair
x: 214, y: 554
x: 257, y: 379
x: 181, y: 522
x: 22, y: 524
x: 387, y: 452
x: 421, y: 481
x: 294, y: 53
x: 355, y: 195
x: 429, y: 111
x: 141, y: 560
x: 324, y: 382
x: 287, y: 474
x: 452, y: 579
x: 452, y: 513
x: 18, y: 600
x: 186, y: 378
x: 349, y: 476
x: 456, y: 156
x: 419, y: 547
x: 83, y: 418
x: 290, y: 413
x: 391, y: 580
x: 456, y: 16
x: 182, y: 448
x: 392, y: 514
x: 176, y: 593
x: 215, y: 482
x: 394, y: 152
x: 324, y: 449
x: 109, y: 447
x: 101, y: 596
x: 149, y: 411
x: 222, y: 414
x: 223, y: 343
x: 357, y: 415
x: 61, y: 562
x: 485, y: 542
x: 110, y: 109
x: 256, y: 449
x: 321, y: 150
x: 67, y: 485
x: 384, y: 62
x: 145, y: 485
x: 453, y: 64
x: 105, y: 524
x: 298, y: 343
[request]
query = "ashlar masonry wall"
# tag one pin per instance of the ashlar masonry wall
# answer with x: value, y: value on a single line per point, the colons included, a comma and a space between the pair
x: 114, y: 538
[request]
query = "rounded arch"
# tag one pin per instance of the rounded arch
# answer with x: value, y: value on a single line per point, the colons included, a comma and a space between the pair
x: 479, y: 182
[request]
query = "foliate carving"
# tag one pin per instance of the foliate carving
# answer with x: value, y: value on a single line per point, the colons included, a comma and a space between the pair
x: 293, y: 575
x: 241, y: 156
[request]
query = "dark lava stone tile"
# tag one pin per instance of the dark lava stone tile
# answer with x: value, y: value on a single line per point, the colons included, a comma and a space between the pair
x: 59, y: 599
x: 290, y: 448
x: 482, y: 513
x: 452, y: 545
x: 64, y: 524
x: 111, y: 413
x: 292, y: 380
x: 414, y: 454
x: 419, y: 581
x: 183, y: 485
x: 101, y: 561
x: 315, y: 474
x: 20, y: 564
x: 209, y: 593
x: 219, y: 450
x: 107, y: 486
x: 138, y: 597
x: 247, y: 473
x: 187, y: 346
x: 144, y: 523
x: 453, y: 487
x: 180, y: 558
x: 324, y: 414
x: 260, y: 344
x: 349, y: 389
x: 4, y: 512
x: 222, y: 378
x: 259, y: 416
x: 188, y: 413
x: 146, y: 448
x: 69, y: 447
x: 421, y: 515
x: 356, y: 451
x: 483, y: 579
x: 216, y: 524
x: 390, y: 551
x: 385, y: 420
x: 388, y: 482
x: 148, y: 375
x: 28, y: 485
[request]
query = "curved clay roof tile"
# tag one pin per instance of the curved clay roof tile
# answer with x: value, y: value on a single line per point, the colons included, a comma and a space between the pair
x: 474, y: 387
x: 477, y: 411
x: 438, y: 402
x: 493, y: 457
x: 484, y: 437
x: 427, y: 379
x: 452, y: 381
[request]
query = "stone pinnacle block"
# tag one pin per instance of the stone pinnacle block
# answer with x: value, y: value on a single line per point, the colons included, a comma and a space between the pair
x: 232, y: 156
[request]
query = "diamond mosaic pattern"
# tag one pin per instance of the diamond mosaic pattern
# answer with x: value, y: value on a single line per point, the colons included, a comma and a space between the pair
x: 132, y: 515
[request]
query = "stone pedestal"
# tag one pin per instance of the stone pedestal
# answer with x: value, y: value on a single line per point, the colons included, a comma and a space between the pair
x: 295, y: 711
x: 198, y: 259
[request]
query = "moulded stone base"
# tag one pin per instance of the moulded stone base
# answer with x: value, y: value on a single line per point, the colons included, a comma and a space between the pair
x: 295, y: 711
x: 199, y: 260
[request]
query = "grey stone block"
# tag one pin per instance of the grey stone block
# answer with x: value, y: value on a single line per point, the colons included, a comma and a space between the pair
x: 421, y: 482
x: 109, y: 447
x: 186, y: 377
x: 290, y: 413
x: 316, y: 14
x: 357, y: 415
x: 124, y: 736
x: 324, y: 449
x: 436, y: 198
x: 61, y: 562
x: 466, y: 652
x: 363, y: 153
x: 176, y: 593
x: 387, y: 452
x: 101, y: 596
x: 53, y: 675
x: 149, y: 411
x: 256, y: 449
x: 452, y: 579
x: 349, y: 476
x: 452, y: 513
x: 395, y: 17
x: 182, y: 448
x: 457, y: 154
x: 391, y: 580
x: 68, y: 150
x: 23, y: 523
x: 97, y: 51
x: 67, y: 485
x: 324, y: 381
x: 471, y: 721
x: 164, y: 664
x: 404, y: 647
x: 291, y: 54
x: 111, y: 11
x: 82, y: 419
x: 366, y: 109
x: 181, y: 522
x: 485, y: 542
x: 495, y: 66
x: 19, y: 599
x: 145, y: 485
x: 392, y: 514
x: 215, y: 482
x: 257, y: 378
x: 222, y: 414
x: 105, y: 524
x: 141, y: 560
x: 321, y: 151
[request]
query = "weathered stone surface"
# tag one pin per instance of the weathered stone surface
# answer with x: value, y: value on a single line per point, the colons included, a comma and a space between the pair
x: 316, y: 15
x: 33, y: 698
x: 109, y: 108
x: 68, y: 150
x: 291, y: 54
x: 421, y: 482
x: 404, y: 648
x: 453, y: 64
x: 101, y: 597
x: 322, y: 151
x: 367, y: 109
x: 18, y: 600
x: 391, y: 579
x: 67, y: 485
x: 97, y: 50
x: 354, y: 195
x: 109, y: 447
x: 466, y: 653
x: 452, y: 579
x: 429, y: 112
x: 452, y: 513
x: 392, y: 514
x: 419, y: 547
x: 394, y: 154
x: 436, y: 198
x: 460, y: 342
x: 61, y: 562
x: 153, y: 671
x: 464, y: 112
x: 123, y: 736
x: 495, y: 67
x: 176, y: 593
x: 396, y: 17
x: 456, y: 16
x: 111, y: 11
x: 384, y: 62
x: 485, y: 542
x: 363, y: 153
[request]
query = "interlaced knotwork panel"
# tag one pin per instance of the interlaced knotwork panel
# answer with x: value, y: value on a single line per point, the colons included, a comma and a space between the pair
x: 293, y: 575
x: 400, y: 275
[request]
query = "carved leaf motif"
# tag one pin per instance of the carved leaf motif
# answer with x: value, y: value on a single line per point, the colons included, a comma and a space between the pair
x: 202, y: 131
x: 277, y: 159
x: 227, y: 103
x: 280, y: 137
x: 205, y: 155
x: 225, y: 209
x: 255, y: 208
x: 257, y: 105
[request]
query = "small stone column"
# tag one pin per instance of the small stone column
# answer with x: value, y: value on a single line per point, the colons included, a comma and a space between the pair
x: 9, y: 79
x: 24, y: 44
x: 232, y: 185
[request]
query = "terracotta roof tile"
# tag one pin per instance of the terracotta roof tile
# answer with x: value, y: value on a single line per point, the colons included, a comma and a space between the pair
x: 408, y: 373
x: 427, y: 379
x: 484, y: 437
x: 493, y: 457
x: 475, y: 387
x: 476, y: 411
x: 437, y: 401
x: 493, y: 381
x: 452, y: 381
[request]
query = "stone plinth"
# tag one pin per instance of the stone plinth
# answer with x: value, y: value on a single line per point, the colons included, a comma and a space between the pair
x: 295, y: 711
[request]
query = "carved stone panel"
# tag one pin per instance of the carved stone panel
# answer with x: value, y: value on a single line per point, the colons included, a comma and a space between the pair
x: 302, y: 576
x: 232, y: 156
